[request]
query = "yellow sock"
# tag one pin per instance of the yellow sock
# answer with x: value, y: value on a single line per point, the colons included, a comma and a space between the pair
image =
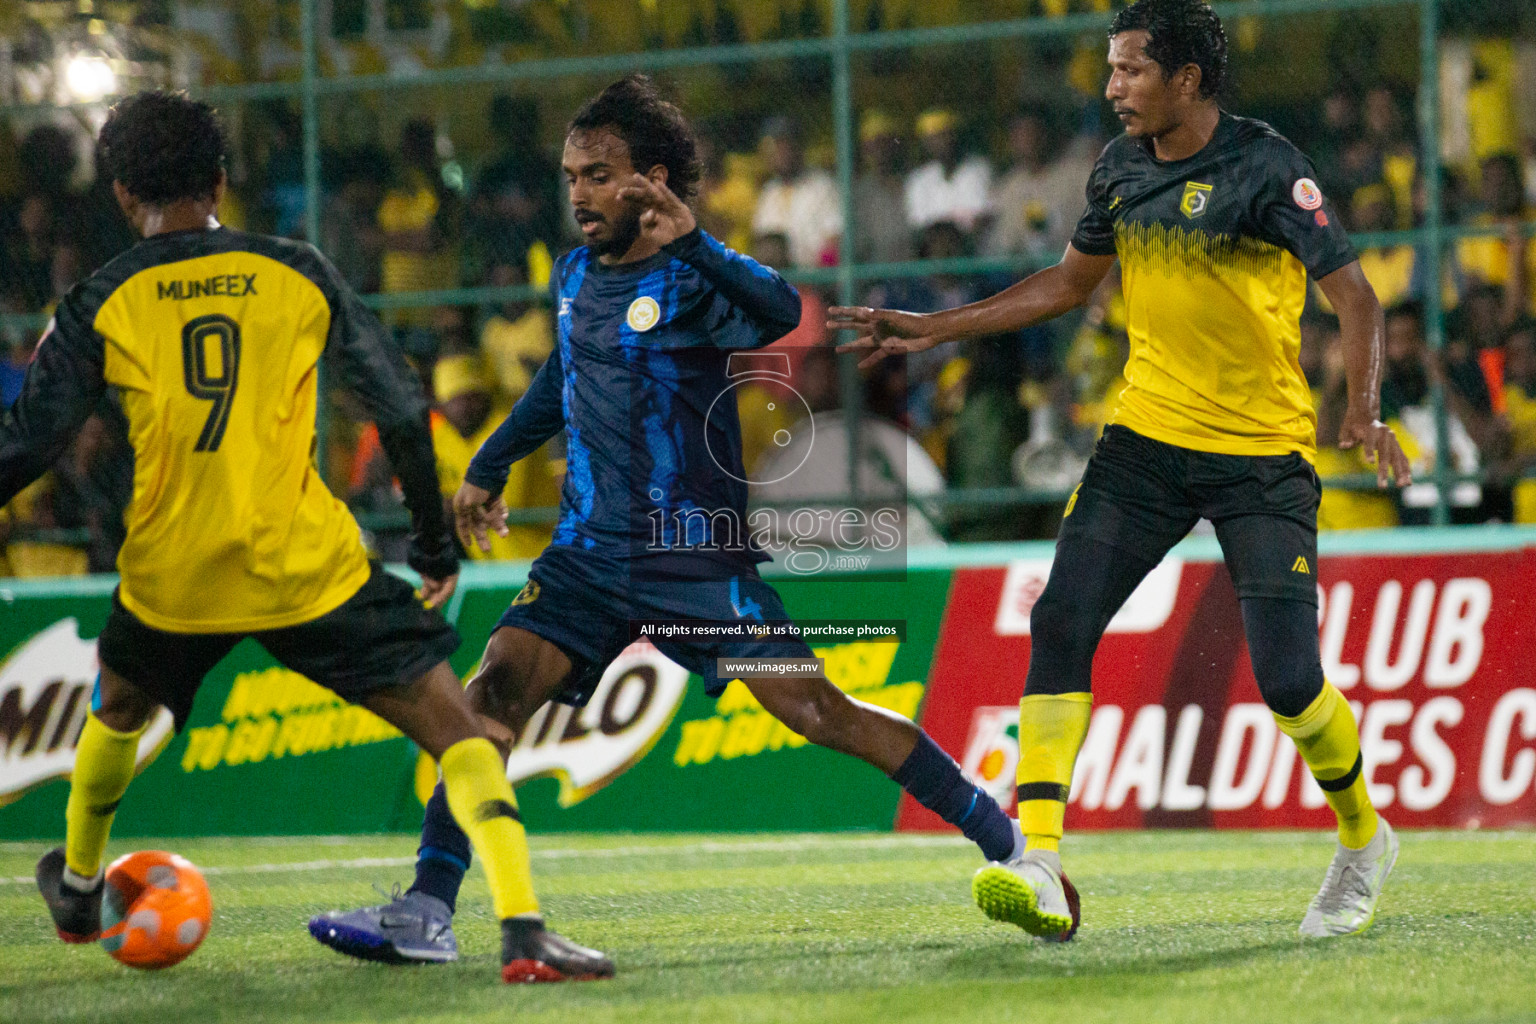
x: 482, y: 803
x: 1051, y: 729
x: 104, y: 763
x: 1329, y: 742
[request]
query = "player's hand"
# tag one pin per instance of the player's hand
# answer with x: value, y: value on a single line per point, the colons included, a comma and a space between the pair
x: 476, y: 512
x: 881, y: 332
x: 1380, y: 445
x: 437, y: 592
x: 664, y: 218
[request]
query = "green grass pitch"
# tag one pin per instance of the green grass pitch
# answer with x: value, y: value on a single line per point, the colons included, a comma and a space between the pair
x: 1178, y: 926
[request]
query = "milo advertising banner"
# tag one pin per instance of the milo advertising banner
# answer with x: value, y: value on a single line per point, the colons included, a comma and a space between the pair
x: 268, y: 751
x: 1430, y: 635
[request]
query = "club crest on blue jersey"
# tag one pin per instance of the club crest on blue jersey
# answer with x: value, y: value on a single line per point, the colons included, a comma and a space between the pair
x: 643, y: 314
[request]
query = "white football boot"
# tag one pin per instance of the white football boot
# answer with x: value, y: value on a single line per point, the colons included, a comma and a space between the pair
x: 1346, y: 904
x: 1029, y: 891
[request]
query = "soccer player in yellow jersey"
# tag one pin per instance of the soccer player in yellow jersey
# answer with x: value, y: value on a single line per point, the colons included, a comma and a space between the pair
x: 1217, y: 221
x: 212, y: 339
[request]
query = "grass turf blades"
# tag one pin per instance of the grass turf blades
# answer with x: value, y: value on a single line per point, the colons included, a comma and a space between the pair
x: 1180, y: 926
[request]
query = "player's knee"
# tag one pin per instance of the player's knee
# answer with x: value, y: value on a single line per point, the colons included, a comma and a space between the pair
x: 481, y: 700
x: 498, y: 693
x: 1063, y: 633
x: 1289, y: 685
x: 815, y: 709
x: 1282, y: 645
x: 122, y: 706
x: 1058, y: 618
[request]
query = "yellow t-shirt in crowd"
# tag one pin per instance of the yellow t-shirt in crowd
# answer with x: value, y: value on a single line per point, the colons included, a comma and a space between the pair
x: 413, y: 207
x: 1520, y: 408
x: 515, y: 349
x: 1486, y: 258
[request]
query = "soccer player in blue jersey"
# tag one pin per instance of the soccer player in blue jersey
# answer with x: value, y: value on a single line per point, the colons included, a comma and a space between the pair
x: 649, y: 311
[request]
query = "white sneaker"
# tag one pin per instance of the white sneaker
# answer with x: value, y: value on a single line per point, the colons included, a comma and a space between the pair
x: 1346, y: 904
x: 1029, y: 891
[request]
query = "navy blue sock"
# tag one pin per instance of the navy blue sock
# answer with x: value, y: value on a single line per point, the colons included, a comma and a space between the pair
x: 444, y: 854
x: 935, y: 781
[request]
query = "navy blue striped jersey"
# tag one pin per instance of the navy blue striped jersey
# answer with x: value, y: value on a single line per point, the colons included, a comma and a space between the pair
x: 653, y: 460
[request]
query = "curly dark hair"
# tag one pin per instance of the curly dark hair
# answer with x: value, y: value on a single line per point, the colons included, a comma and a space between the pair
x: 653, y: 128
x: 163, y: 146
x: 1180, y: 32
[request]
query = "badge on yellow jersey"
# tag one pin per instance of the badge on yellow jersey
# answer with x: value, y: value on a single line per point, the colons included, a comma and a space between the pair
x: 1196, y: 198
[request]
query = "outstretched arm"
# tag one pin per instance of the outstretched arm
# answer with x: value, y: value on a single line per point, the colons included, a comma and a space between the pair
x: 1049, y: 293
x: 1363, y: 329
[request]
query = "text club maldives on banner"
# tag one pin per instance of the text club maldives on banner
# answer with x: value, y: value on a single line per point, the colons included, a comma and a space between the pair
x: 1435, y: 652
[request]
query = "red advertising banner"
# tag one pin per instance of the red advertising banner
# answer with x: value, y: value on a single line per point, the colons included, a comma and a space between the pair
x: 1435, y: 652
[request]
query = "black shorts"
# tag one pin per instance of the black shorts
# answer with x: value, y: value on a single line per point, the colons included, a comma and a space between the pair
x: 1143, y: 496
x: 380, y: 637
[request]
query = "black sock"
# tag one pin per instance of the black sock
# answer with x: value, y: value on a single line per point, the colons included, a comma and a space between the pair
x: 444, y: 854
x: 935, y: 781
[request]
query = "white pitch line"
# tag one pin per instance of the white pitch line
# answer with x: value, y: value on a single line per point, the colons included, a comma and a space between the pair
x: 577, y: 853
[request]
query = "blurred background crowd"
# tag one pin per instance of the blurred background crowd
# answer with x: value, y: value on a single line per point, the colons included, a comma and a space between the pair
x: 971, y: 159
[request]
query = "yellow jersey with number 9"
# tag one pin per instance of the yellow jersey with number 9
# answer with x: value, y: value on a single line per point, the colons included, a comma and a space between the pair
x: 212, y: 339
x: 215, y: 359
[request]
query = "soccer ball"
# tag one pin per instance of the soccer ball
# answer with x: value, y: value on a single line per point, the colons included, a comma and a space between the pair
x: 156, y: 909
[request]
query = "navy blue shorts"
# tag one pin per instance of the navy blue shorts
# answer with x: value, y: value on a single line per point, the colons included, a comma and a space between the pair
x: 586, y: 605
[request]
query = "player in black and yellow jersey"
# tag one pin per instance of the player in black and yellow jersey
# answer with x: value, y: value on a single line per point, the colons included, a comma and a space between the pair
x: 1217, y: 221
x: 212, y: 340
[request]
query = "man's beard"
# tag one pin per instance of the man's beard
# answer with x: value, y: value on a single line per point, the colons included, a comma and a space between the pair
x: 625, y: 230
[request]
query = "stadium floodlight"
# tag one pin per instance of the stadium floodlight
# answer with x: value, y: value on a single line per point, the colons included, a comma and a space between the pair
x: 88, y: 76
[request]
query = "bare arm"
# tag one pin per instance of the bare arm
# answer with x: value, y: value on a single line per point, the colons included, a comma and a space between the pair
x: 1041, y: 296
x: 1363, y: 330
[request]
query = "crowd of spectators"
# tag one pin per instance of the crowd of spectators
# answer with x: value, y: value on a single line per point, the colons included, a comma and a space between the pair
x: 402, y: 213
